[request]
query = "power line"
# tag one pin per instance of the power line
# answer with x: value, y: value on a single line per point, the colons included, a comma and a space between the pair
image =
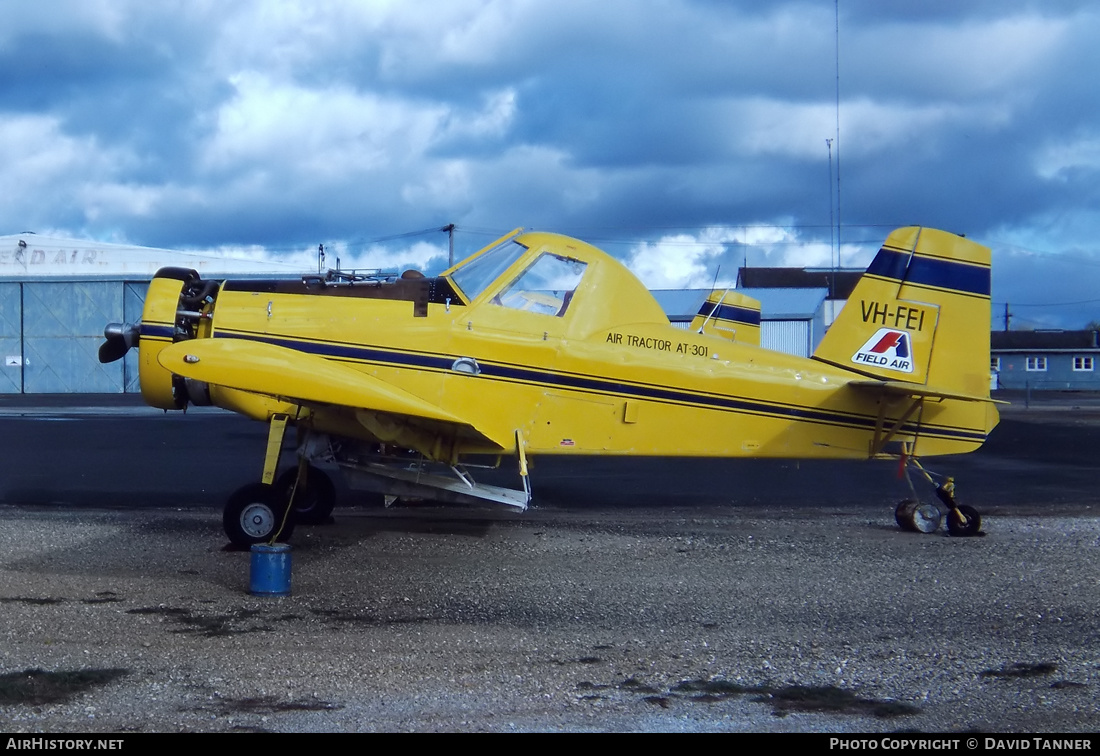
x: 1050, y: 304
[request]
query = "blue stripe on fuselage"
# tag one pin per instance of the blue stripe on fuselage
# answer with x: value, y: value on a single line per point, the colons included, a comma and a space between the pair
x: 515, y: 373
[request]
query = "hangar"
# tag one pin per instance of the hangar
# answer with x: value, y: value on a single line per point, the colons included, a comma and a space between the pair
x: 57, y: 294
x: 791, y: 320
x: 837, y: 282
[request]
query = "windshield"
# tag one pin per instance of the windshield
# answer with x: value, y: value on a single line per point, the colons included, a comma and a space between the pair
x: 475, y: 276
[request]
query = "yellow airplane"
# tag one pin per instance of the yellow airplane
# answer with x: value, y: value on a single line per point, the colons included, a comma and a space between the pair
x: 542, y: 344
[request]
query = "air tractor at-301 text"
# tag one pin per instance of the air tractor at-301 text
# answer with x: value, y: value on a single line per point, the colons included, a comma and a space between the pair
x: 541, y: 344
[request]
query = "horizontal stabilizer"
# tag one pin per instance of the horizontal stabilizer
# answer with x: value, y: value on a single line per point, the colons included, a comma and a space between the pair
x: 900, y: 388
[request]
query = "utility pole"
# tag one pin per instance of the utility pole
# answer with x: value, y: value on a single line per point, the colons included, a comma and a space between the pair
x: 450, y: 229
x: 834, y: 263
x: 1008, y: 316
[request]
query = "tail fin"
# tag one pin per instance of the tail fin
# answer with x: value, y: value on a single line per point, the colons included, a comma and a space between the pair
x: 920, y: 314
x: 731, y: 315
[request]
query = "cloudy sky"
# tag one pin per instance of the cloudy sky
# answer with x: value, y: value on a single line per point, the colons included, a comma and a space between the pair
x: 683, y: 136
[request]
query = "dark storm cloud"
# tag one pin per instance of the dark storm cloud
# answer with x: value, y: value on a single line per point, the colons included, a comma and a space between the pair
x: 186, y: 124
x: 133, y: 85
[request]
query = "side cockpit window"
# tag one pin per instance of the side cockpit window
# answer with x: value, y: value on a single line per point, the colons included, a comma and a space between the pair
x: 545, y: 287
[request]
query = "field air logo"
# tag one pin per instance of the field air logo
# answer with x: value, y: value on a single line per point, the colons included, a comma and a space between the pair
x: 889, y: 348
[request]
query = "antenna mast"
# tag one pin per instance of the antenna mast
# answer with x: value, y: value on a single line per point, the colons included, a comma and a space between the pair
x: 837, y: 136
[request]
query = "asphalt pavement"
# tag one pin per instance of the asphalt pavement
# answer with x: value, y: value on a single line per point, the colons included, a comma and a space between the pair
x: 637, y: 595
x: 112, y: 450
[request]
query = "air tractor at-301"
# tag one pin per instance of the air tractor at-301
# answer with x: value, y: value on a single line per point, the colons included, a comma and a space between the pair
x: 541, y: 344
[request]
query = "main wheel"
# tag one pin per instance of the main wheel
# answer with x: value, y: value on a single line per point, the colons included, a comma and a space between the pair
x: 254, y: 514
x: 314, y: 502
x: 971, y: 527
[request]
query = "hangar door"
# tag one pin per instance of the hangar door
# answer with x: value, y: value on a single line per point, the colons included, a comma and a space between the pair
x: 11, y: 373
x: 133, y: 302
x: 62, y: 330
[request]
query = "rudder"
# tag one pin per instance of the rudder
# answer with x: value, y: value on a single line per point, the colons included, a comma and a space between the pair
x: 919, y: 314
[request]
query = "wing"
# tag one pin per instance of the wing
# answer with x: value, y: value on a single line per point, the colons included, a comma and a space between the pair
x: 309, y: 380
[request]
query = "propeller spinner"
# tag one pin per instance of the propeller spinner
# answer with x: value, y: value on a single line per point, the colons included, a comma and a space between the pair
x: 120, y: 337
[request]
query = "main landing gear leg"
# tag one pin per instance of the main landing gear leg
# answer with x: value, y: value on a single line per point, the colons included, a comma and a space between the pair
x: 260, y: 512
x: 912, y: 515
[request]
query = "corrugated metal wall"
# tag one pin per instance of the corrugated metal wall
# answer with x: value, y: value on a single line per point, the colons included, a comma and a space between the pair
x: 788, y: 336
x: 50, y: 334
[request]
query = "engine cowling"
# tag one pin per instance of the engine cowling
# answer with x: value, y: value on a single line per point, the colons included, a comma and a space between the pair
x: 159, y: 329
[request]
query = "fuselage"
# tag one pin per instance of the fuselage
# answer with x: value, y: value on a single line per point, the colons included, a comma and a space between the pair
x: 593, y: 369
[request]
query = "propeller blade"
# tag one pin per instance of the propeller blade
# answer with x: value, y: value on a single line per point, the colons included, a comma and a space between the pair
x: 120, y: 337
x: 112, y: 349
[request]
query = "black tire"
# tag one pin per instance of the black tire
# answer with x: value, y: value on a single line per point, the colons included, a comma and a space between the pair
x: 253, y: 514
x: 313, y: 504
x: 971, y: 527
x: 902, y: 515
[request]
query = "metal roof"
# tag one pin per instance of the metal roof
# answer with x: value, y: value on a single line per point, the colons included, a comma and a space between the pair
x: 680, y: 304
x: 788, y: 304
x: 839, y: 283
x: 1043, y: 341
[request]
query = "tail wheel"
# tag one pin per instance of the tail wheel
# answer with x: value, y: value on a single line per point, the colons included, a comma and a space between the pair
x: 255, y: 514
x: 313, y: 502
x: 957, y: 527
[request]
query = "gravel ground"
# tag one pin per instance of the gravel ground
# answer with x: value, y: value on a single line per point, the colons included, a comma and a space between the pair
x: 673, y: 619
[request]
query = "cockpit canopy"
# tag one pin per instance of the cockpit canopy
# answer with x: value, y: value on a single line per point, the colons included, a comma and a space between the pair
x: 556, y: 276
